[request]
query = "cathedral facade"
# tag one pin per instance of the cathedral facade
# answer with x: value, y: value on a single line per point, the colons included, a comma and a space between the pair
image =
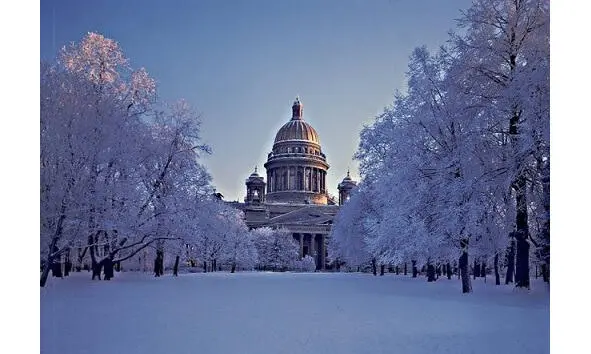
x: 294, y: 194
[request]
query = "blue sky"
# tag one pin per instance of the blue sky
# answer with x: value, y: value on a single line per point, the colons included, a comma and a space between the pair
x: 241, y: 64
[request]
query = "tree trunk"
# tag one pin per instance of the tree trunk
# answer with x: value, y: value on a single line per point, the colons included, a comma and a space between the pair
x: 56, y: 265
x: 374, y: 267
x: 476, y: 269
x: 414, y: 269
x: 519, y: 185
x: 430, y: 272
x: 438, y: 270
x: 108, y: 268
x: 175, y: 269
x: 463, y: 269
x: 397, y: 270
x: 159, y: 263
x: 45, y: 273
x: 96, y: 270
x: 68, y: 263
x: 405, y: 272
x: 96, y: 266
x: 545, y: 273
x: 53, y: 246
x: 382, y: 267
x: 204, y: 266
x: 497, y: 275
x: 448, y: 270
x: 522, y: 262
x: 510, y: 260
x: 483, y: 270
x: 233, y: 269
x: 545, y: 251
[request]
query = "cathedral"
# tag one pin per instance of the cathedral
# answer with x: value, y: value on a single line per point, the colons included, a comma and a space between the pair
x: 294, y: 195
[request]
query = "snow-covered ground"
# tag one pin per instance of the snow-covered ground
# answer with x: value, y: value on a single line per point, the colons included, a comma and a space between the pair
x: 290, y: 313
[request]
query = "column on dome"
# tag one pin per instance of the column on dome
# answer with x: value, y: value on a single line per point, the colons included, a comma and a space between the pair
x: 271, y: 181
x: 283, y: 178
x: 288, y: 179
x: 316, y: 180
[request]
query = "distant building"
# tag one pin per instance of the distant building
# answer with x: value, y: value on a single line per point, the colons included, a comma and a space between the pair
x: 294, y: 195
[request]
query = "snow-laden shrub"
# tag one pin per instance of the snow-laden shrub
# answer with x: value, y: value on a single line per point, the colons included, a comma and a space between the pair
x: 307, y: 264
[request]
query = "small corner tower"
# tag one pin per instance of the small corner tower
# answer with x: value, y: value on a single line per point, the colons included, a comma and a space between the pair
x: 255, y: 188
x: 345, y: 188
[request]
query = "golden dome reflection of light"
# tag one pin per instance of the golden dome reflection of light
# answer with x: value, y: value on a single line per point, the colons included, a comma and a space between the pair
x: 297, y: 128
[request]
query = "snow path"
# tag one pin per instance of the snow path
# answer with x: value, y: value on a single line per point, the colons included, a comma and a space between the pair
x: 289, y: 313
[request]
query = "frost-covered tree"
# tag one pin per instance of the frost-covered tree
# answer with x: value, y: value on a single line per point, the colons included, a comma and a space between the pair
x: 505, y: 54
x: 448, y: 168
x: 346, y: 240
x: 276, y: 248
x: 117, y: 166
x: 239, y: 251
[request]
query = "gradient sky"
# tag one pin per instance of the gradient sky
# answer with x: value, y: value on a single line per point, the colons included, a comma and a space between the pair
x: 242, y: 63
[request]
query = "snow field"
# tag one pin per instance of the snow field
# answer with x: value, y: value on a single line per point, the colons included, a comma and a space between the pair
x: 289, y: 313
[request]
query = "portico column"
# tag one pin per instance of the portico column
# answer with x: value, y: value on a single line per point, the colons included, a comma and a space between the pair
x: 312, y: 246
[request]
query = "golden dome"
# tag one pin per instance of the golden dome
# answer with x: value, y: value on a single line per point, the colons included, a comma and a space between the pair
x: 297, y: 128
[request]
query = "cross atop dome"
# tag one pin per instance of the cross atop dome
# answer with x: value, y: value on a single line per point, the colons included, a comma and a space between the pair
x: 297, y: 110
